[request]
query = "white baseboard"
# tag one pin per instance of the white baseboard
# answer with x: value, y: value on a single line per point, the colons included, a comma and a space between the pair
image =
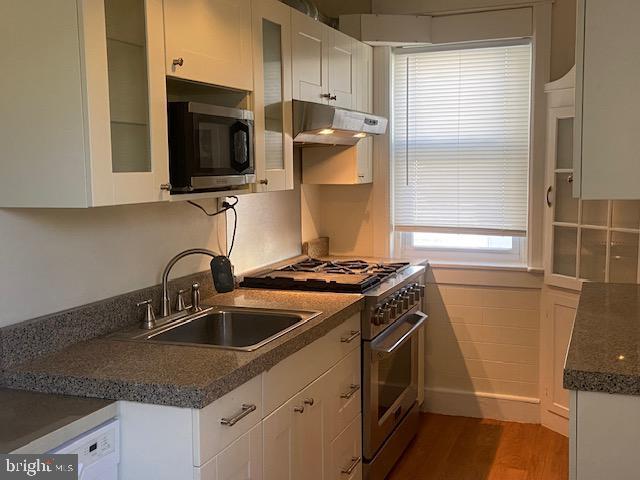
x: 555, y: 422
x: 482, y: 405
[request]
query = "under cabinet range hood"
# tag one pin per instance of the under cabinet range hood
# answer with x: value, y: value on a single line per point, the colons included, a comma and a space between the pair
x: 319, y: 124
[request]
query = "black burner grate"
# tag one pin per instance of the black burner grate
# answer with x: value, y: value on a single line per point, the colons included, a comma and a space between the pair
x: 325, y: 275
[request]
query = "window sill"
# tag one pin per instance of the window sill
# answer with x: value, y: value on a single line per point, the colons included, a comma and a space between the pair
x: 485, y: 266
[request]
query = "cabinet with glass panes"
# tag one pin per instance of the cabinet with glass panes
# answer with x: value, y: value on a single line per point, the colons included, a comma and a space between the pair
x: 587, y: 240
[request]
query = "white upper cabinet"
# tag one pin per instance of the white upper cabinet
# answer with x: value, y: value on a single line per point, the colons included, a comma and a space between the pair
x: 272, y: 95
x: 310, y: 60
x: 85, y: 126
x: 346, y: 165
x: 325, y: 63
x: 607, y: 144
x: 363, y: 78
x: 209, y: 41
x: 342, y: 53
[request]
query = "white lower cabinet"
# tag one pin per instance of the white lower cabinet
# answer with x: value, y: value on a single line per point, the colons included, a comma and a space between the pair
x: 306, y: 436
x: 241, y: 460
x: 344, y: 459
x: 293, y: 437
x: 299, y: 420
x: 556, y: 325
x: 604, y: 434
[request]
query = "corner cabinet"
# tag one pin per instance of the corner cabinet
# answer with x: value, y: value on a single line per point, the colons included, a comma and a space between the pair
x: 587, y: 240
x: 84, y: 109
x: 209, y: 41
x: 272, y: 95
x: 299, y: 420
x: 556, y: 324
x: 607, y: 144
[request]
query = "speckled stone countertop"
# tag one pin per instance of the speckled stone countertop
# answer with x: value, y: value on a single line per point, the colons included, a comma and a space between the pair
x: 179, y: 375
x: 604, y: 354
x: 36, y: 422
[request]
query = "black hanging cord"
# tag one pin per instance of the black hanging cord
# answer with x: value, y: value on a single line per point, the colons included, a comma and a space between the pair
x: 235, y: 226
x: 226, y: 206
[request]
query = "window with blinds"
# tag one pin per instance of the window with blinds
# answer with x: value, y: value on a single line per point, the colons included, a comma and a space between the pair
x: 461, y: 139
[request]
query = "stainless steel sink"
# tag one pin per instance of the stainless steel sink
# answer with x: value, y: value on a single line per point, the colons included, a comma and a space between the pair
x: 233, y: 328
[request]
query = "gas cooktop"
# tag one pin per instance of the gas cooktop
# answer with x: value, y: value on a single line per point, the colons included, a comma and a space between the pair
x: 353, y: 276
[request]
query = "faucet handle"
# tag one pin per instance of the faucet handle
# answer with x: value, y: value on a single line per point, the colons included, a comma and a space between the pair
x: 149, y: 316
x: 195, y: 297
x: 180, y: 305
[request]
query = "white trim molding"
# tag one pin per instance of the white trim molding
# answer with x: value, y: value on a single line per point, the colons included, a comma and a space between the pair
x: 496, y: 406
x: 484, y: 276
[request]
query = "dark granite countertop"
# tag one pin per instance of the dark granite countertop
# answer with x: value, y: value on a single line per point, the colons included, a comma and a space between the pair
x: 604, y: 353
x: 179, y: 375
x: 37, y: 422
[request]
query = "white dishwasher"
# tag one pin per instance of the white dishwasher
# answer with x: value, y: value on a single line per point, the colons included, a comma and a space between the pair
x: 98, y: 451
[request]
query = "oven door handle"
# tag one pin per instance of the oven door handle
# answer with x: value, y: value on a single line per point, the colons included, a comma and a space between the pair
x: 389, y: 345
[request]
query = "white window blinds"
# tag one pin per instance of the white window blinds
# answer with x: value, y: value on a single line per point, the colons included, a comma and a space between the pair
x: 461, y: 139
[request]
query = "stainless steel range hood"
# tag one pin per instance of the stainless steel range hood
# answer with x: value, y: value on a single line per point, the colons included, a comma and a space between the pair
x: 315, y: 123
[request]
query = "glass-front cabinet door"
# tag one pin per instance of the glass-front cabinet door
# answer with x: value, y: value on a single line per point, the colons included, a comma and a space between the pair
x: 272, y: 95
x: 587, y: 240
x: 126, y: 100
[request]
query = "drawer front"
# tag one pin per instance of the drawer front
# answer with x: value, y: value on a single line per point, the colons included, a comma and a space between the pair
x: 344, y: 459
x: 217, y: 425
x: 342, y: 390
x: 241, y: 459
x: 295, y: 372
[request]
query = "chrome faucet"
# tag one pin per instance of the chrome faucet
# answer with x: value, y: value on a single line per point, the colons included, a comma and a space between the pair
x: 166, y: 302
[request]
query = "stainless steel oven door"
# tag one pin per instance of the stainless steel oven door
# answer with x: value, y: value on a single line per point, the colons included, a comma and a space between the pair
x: 390, y: 379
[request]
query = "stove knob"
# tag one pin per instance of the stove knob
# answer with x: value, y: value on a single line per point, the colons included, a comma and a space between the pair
x: 422, y: 289
x: 406, y: 300
x: 415, y: 294
x: 386, y: 313
x: 397, y: 302
x: 393, y: 309
x: 376, y: 318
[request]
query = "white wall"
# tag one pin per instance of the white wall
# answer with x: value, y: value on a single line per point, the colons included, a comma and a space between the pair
x: 341, y: 212
x: 482, y: 353
x: 55, y: 259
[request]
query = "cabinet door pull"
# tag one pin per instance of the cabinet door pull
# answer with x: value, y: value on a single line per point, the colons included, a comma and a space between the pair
x: 329, y: 96
x: 178, y: 62
x: 353, y: 388
x: 299, y: 409
x: 246, y: 410
x: 549, y: 190
x: 352, y: 336
x: 309, y: 401
x: 352, y: 466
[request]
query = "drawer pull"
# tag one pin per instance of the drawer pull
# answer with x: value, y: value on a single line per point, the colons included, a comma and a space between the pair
x: 246, y: 410
x: 352, y: 466
x: 354, y: 334
x: 353, y: 388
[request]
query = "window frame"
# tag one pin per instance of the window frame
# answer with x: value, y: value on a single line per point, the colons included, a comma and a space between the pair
x: 403, y: 240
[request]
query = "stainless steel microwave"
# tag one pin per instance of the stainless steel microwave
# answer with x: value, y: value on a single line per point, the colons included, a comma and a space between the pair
x: 210, y: 147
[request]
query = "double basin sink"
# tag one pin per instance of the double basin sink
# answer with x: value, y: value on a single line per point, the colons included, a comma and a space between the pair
x: 231, y: 328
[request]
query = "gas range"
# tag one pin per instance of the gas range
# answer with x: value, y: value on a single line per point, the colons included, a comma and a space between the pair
x: 391, y: 322
x: 390, y: 288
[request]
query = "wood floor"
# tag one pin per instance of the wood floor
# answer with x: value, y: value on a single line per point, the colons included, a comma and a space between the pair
x: 461, y: 448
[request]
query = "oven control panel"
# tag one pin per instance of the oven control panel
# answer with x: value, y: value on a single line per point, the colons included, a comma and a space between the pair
x: 397, y: 304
